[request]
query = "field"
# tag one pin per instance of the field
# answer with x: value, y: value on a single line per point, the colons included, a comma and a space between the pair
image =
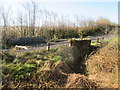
x: 42, y: 48
x: 57, y: 67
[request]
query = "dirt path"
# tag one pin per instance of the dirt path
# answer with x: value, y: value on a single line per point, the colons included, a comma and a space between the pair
x: 42, y: 46
x: 52, y: 45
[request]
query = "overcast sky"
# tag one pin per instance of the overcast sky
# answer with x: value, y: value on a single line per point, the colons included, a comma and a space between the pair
x: 86, y: 8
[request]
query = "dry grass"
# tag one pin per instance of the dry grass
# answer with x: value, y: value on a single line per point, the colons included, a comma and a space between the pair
x: 79, y: 81
x: 52, y: 72
x: 103, y: 66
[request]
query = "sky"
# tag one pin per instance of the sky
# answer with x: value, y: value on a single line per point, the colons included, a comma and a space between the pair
x: 84, y: 8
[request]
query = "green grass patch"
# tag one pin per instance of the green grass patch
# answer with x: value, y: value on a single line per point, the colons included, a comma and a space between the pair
x: 56, y: 58
x: 18, y: 71
x: 95, y: 43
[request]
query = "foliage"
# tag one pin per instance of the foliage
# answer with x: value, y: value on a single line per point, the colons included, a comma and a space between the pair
x: 7, y: 57
x: 25, y: 66
x: 56, y: 58
x: 103, y: 22
x: 56, y: 32
x: 90, y: 30
x: 16, y: 72
x: 95, y: 44
x: 50, y: 69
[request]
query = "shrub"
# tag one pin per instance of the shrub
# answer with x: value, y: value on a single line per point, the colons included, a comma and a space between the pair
x: 7, y: 57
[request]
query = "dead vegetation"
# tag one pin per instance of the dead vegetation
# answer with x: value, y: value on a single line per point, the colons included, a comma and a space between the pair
x: 58, y: 68
x: 63, y: 67
x: 103, y: 66
x: 79, y: 81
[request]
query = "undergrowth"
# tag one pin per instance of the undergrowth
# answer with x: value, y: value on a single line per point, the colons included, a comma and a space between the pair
x: 50, y: 69
x: 103, y: 66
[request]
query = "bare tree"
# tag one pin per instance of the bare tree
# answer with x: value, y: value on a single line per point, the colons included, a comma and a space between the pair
x: 20, y: 22
x: 35, y: 7
x: 103, y: 24
x: 4, y: 13
x: 31, y: 8
x: 84, y: 21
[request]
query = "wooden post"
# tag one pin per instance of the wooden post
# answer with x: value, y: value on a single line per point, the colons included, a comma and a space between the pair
x: 48, y: 46
x: 98, y: 40
x: 81, y: 35
x: 103, y: 38
x: 70, y: 43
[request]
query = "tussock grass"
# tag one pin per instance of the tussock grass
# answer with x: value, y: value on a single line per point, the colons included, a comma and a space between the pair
x: 102, y: 67
x: 56, y: 68
x: 79, y: 81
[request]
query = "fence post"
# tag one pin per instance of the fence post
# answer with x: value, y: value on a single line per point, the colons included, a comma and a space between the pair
x: 98, y: 40
x: 48, y: 46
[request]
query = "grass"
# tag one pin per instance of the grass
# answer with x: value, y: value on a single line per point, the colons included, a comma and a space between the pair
x: 22, y: 67
x: 50, y: 69
x: 94, y: 43
x: 57, y: 40
x: 26, y: 65
x: 102, y: 67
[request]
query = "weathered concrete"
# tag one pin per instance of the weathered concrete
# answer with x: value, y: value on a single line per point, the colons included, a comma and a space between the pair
x: 79, y: 49
x: 20, y: 47
x: 81, y: 44
x: 25, y: 41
